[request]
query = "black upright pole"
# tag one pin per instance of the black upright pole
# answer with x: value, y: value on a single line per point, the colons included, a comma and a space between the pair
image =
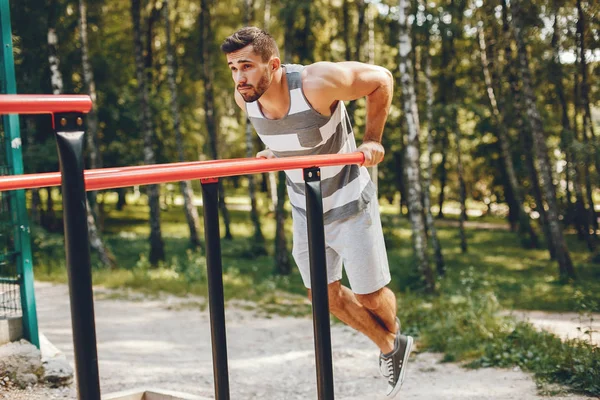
x: 216, y: 302
x: 318, y: 282
x: 70, y: 141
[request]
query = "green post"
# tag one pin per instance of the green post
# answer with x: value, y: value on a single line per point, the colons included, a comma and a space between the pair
x: 18, y: 205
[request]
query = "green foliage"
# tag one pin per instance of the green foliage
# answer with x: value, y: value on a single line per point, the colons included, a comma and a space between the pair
x: 573, y: 363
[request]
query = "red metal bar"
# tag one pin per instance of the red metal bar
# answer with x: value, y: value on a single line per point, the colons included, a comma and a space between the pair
x: 46, y: 179
x: 44, y: 103
x: 110, y: 178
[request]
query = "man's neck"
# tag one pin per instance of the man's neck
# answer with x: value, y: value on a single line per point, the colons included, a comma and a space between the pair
x: 275, y: 102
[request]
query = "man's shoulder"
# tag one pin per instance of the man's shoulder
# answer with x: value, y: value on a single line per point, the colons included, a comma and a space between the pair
x: 315, y: 76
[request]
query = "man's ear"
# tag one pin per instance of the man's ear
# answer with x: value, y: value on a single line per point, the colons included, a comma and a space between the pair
x: 275, y: 64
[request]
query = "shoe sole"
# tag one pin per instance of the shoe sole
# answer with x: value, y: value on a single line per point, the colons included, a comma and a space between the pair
x: 409, y: 344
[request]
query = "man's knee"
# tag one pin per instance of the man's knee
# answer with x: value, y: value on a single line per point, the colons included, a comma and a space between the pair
x: 371, y: 301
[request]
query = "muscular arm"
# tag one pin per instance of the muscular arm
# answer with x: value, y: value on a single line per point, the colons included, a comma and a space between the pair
x: 324, y: 83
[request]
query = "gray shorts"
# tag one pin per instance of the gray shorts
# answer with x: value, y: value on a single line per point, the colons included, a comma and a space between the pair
x: 356, y: 242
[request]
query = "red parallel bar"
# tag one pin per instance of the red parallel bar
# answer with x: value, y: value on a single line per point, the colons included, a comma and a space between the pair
x: 46, y: 179
x: 44, y: 103
x: 110, y: 178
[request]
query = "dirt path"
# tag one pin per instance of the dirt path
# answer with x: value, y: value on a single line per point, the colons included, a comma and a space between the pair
x: 567, y: 325
x: 166, y: 344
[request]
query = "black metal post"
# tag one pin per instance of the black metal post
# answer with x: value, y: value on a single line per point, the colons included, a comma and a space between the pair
x: 318, y: 282
x: 216, y: 302
x: 70, y: 141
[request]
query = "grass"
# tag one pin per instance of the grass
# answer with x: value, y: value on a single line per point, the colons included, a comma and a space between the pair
x: 462, y: 319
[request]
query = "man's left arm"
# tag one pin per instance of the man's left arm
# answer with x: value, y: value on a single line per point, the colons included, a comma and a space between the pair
x: 328, y: 82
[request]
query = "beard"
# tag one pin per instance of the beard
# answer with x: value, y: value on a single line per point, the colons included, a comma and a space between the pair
x: 256, y: 92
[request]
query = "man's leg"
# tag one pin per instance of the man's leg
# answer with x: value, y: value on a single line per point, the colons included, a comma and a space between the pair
x: 372, y: 314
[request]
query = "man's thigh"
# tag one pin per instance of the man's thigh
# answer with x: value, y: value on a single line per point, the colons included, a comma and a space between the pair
x: 361, y: 245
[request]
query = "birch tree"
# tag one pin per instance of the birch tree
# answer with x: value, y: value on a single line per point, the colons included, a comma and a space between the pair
x: 413, y: 173
x: 428, y: 172
x: 90, y: 88
x: 566, y: 270
x: 525, y: 228
x: 514, y: 115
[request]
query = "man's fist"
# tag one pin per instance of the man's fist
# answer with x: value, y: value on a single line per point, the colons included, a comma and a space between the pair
x: 266, y: 153
x: 373, y: 152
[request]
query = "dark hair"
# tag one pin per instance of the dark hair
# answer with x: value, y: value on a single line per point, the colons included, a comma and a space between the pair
x: 263, y: 43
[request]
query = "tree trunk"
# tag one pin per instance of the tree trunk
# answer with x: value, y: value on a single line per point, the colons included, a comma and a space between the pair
x: 588, y: 126
x: 49, y: 220
x: 306, y: 48
x: 413, y: 174
x: 282, y: 257
x: 209, y: 105
x: 96, y: 242
x: 122, y: 198
x: 568, y: 138
x: 527, y: 140
x: 437, y: 247
x: 443, y: 172
x: 157, y: 250
x: 566, y: 270
x: 443, y: 101
x: 92, y: 117
x: 462, y: 185
x: 525, y: 228
x: 191, y: 212
x: 579, y: 169
x: 36, y: 201
x: 399, y: 159
x: 56, y: 79
x: 513, y: 114
x: 259, y: 238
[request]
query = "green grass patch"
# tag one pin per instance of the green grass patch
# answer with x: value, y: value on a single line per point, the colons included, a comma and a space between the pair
x: 573, y: 363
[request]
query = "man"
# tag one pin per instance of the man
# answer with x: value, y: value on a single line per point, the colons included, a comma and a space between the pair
x: 299, y: 110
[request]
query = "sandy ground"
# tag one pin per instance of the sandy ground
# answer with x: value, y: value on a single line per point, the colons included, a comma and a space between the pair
x: 165, y: 344
x: 567, y: 325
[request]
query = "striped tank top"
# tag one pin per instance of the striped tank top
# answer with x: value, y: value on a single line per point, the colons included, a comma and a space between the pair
x: 346, y: 189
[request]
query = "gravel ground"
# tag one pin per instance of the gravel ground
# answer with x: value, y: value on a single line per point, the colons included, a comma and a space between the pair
x: 165, y: 343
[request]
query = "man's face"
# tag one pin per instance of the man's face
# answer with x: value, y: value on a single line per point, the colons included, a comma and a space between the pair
x: 250, y: 73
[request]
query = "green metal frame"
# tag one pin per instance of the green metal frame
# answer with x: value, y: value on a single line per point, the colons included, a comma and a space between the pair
x: 18, y: 208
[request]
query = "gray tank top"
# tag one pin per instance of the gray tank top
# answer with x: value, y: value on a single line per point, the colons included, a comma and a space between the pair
x: 303, y: 131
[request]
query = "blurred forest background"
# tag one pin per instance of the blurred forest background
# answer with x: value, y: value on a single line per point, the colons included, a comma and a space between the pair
x: 497, y: 104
